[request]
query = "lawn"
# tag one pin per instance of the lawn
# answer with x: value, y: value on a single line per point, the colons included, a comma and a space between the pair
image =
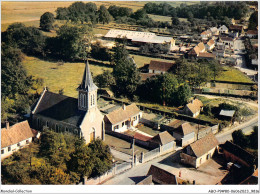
x: 66, y: 77
x: 160, y: 18
x: 142, y: 60
x: 234, y: 75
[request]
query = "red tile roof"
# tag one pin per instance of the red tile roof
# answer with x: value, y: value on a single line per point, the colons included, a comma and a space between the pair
x: 203, y: 145
x: 15, y: 134
x: 160, y: 66
x: 206, y: 55
x: 141, y: 137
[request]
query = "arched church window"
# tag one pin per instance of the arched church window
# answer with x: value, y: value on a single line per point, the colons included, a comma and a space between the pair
x: 56, y: 128
x: 81, y: 100
x: 92, y: 134
x: 91, y: 100
x: 84, y: 100
x: 38, y: 122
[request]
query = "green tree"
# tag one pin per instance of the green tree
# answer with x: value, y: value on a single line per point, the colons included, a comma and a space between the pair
x: 71, y: 43
x: 102, y: 157
x: 106, y: 79
x: 253, y: 137
x: 100, y: 52
x: 253, y: 21
x: 46, y: 21
x: 175, y: 21
x: 183, y: 94
x: 103, y: 15
x: 126, y: 74
x: 240, y: 139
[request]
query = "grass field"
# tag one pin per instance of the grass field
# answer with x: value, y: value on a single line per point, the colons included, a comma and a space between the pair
x: 232, y: 74
x: 66, y: 77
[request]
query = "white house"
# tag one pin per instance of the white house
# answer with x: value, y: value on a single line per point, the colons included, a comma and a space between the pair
x: 210, y: 45
x: 193, y: 108
x: 200, y: 151
x: 16, y: 137
x: 214, y: 31
x: 122, y: 119
x: 223, y: 29
x: 228, y: 42
x: 159, y: 67
x: 206, y: 34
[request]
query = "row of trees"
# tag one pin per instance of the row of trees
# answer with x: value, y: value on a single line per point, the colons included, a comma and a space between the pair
x: 246, y: 141
x: 59, y: 159
x: 235, y: 10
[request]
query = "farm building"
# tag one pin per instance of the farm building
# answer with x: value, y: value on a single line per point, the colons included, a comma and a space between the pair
x: 140, y: 38
x: 165, y: 140
x: 200, y: 151
x: 122, y: 119
x: 185, y: 134
x: 16, y: 137
x: 193, y: 108
x: 159, y: 67
x: 61, y: 113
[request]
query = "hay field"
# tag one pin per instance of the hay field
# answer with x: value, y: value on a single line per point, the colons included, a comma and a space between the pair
x: 66, y: 77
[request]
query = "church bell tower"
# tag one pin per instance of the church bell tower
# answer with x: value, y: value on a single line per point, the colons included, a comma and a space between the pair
x: 87, y: 99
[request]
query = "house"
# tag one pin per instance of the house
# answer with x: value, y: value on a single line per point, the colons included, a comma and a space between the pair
x: 236, y: 28
x: 210, y: 45
x: 165, y: 141
x: 193, y: 108
x: 214, y: 31
x: 161, y: 176
x: 122, y: 119
x: 200, y: 48
x: 219, y: 53
x: 209, y: 56
x: 235, y: 154
x: 223, y: 29
x: 145, y: 76
x: 159, y: 67
x: 65, y: 114
x: 252, y: 33
x: 185, y: 134
x: 206, y: 34
x: 200, y: 151
x: 15, y: 137
x: 227, y: 41
x: 140, y: 38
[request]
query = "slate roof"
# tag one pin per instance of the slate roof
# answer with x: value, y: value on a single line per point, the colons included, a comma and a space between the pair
x: 163, y: 138
x: 195, y: 106
x: 120, y: 115
x: 239, y: 152
x: 203, y: 145
x: 227, y: 113
x: 59, y: 107
x: 185, y: 129
x: 15, y: 134
x: 160, y: 66
x: 87, y: 83
x: 162, y: 176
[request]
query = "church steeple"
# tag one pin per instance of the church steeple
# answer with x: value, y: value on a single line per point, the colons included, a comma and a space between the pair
x: 87, y: 91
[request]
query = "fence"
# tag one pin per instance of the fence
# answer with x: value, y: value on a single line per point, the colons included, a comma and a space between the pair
x: 151, y: 155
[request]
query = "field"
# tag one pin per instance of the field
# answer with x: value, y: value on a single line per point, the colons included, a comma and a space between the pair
x: 234, y: 75
x: 66, y: 77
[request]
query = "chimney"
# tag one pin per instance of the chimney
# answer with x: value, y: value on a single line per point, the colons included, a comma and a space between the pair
x: 7, y: 124
x: 124, y: 107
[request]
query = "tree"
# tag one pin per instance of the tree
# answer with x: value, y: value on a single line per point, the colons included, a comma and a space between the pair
x: 105, y: 79
x: 175, y: 21
x: 71, y: 43
x: 126, y: 74
x: 103, y: 15
x: 253, y: 21
x: 101, y: 156
x: 46, y: 21
x: 100, y: 52
x: 183, y: 94
x: 253, y: 138
x: 240, y: 139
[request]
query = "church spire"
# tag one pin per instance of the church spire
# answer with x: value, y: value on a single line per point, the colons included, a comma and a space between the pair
x: 87, y: 83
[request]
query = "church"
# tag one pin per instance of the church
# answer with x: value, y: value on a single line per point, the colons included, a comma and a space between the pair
x: 64, y: 114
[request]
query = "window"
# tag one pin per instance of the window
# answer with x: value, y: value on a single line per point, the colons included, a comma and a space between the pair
x: 200, y: 160
x: 139, y: 116
x: 91, y: 100
x: 81, y: 100
x: 92, y: 134
x: 27, y: 141
x: 38, y: 122
x: 9, y: 149
x: 18, y: 144
x: 76, y: 131
x: 47, y: 123
x: 2, y: 151
x: 56, y: 128
x: 116, y: 127
x: 66, y: 129
x: 123, y: 124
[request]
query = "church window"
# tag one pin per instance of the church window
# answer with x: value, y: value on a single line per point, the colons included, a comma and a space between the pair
x: 66, y: 129
x: 47, y: 123
x: 76, y: 131
x: 56, y: 128
x: 91, y: 100
x: 92, y: 134
x: 81, y: 100
x: 38, y: 122
x: 84, y: 100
